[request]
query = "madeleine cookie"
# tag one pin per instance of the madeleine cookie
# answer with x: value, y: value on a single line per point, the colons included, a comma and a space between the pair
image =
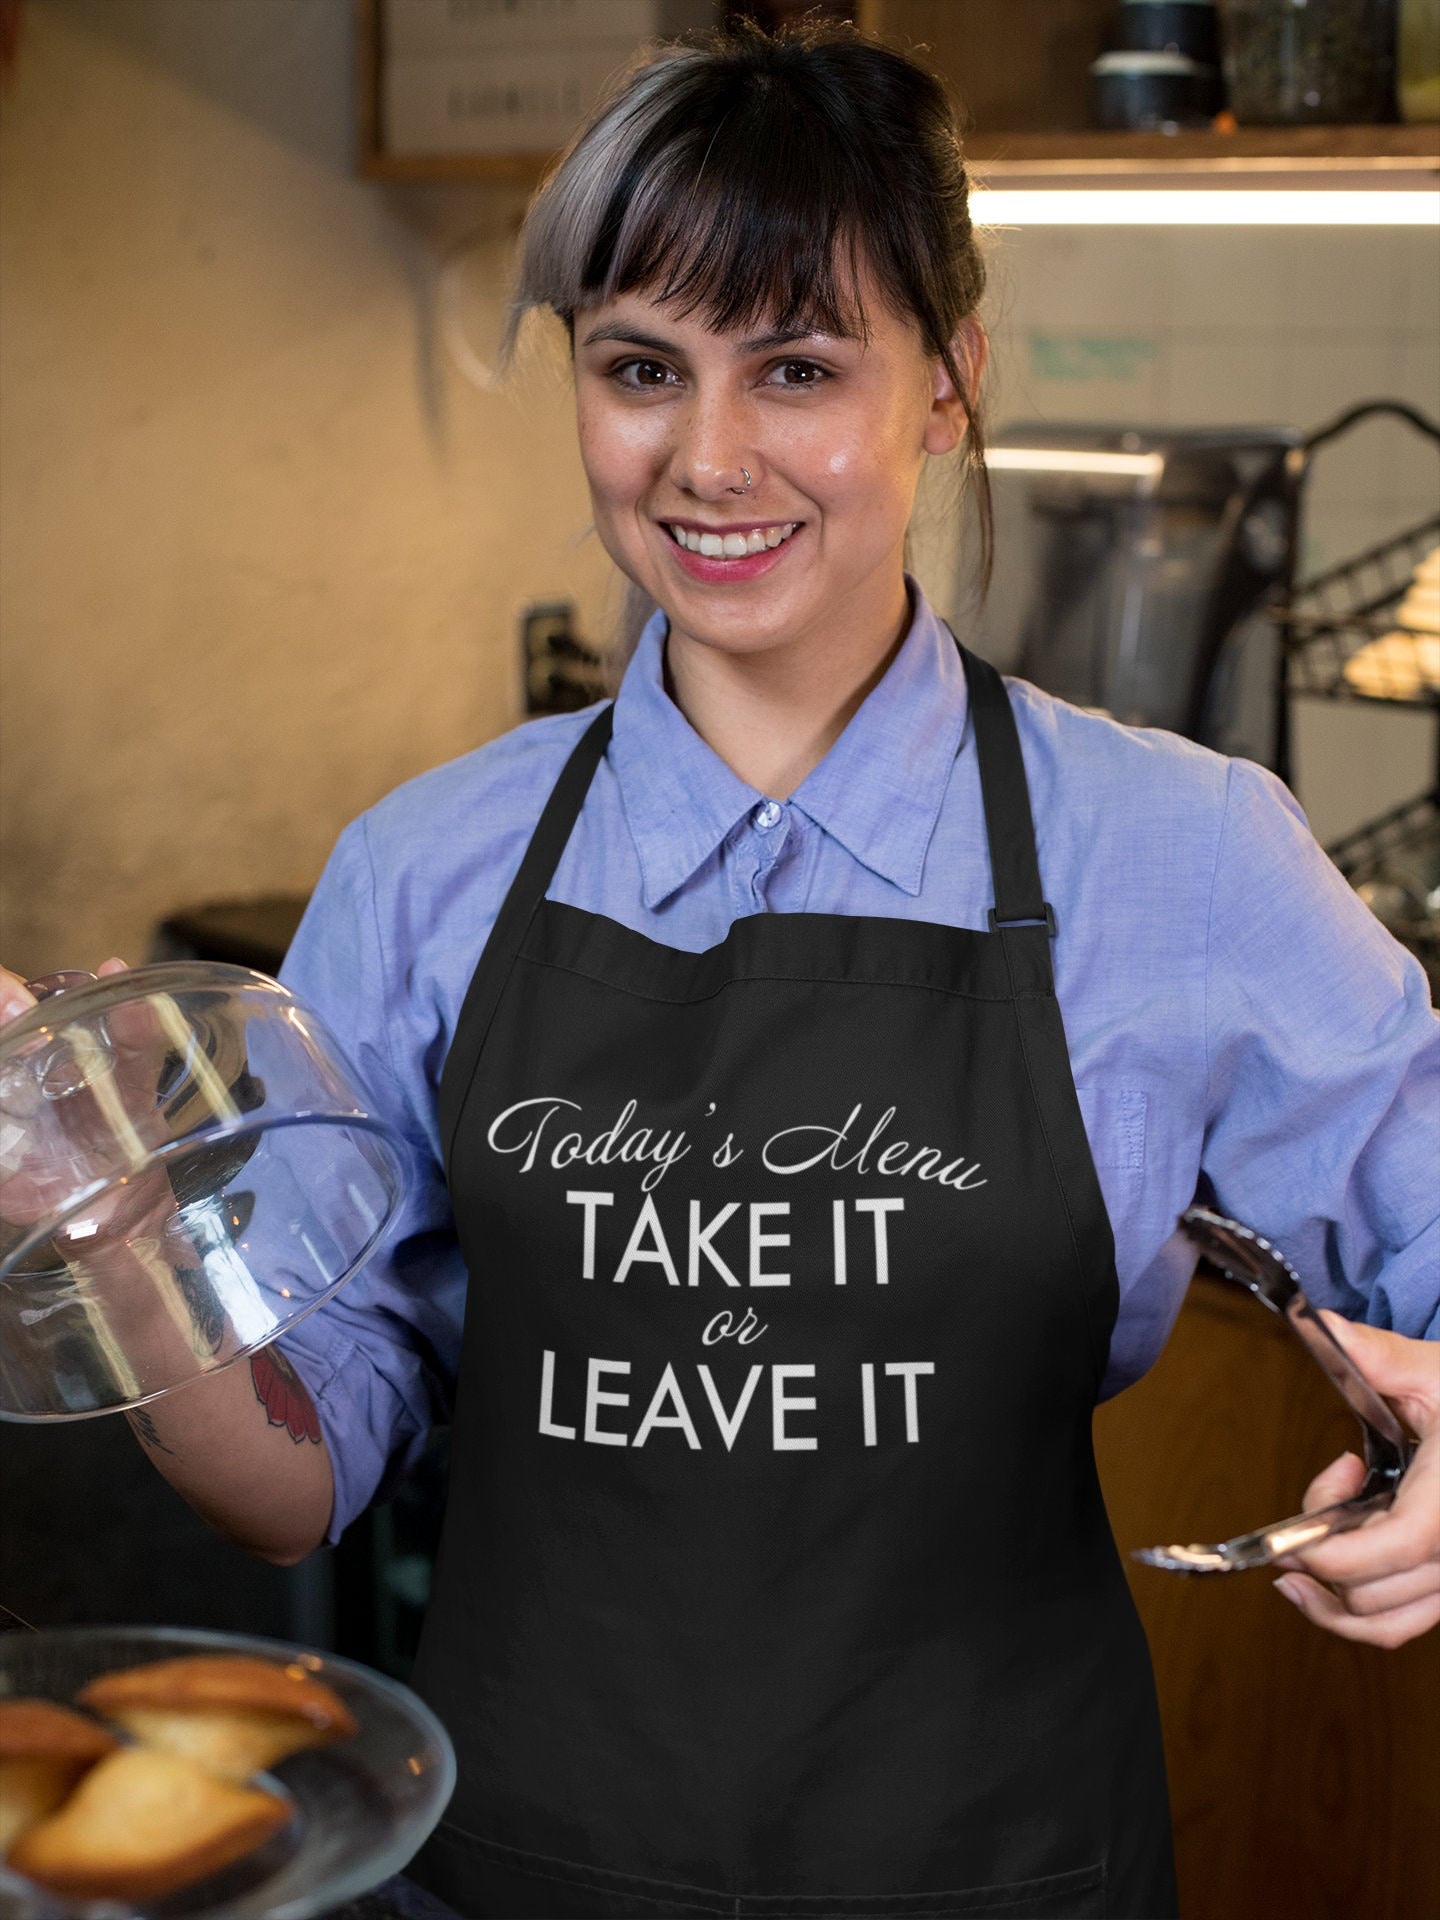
x: 44, y: 1749
x: 140, y: 1824
x: 232, y: 1713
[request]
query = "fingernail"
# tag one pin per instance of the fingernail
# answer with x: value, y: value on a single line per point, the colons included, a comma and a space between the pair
x: 1290, y: 1591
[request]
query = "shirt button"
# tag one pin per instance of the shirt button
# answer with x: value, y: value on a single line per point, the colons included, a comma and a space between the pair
x: 766, y: 816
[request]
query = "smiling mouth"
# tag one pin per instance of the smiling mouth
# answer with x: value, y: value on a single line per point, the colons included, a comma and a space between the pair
x: 730, y: 546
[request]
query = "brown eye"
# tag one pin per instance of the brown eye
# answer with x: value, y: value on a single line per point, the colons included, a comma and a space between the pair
x: 642, y: 373
x: 800, y: 373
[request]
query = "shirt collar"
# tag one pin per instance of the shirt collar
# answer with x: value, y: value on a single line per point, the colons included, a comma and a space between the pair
x: 878, y: 791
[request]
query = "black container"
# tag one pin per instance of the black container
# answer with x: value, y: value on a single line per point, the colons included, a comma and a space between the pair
x: 1191, y: 27
x: 1150, y: 92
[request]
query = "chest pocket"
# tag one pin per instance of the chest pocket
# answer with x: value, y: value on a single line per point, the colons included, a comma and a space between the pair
x: 1115, y: 1127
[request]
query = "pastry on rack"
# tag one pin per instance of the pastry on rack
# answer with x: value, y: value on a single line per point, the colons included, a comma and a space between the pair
x: 142, y: 1823
x: 232, y: 1713
x: 44, y: 1750
x: 1405, y: 663
x: 1400, y: 666
x: 1420, y: 609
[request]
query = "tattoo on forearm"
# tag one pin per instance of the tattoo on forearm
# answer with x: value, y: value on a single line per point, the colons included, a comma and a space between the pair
x: 207, y: 1316
x: 282, y: 1393
x: 144, y: 1426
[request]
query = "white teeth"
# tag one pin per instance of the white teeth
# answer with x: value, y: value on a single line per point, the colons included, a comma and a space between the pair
x: 731, y: 546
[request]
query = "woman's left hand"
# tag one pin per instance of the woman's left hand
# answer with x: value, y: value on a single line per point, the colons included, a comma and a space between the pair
x: 1381, y: 1583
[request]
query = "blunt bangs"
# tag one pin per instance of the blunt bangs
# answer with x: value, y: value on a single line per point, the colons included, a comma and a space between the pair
x: 745, y: 211
x: 751, y: 179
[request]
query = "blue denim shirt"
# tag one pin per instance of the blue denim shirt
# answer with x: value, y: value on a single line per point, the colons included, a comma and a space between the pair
x: 1232, y: 1009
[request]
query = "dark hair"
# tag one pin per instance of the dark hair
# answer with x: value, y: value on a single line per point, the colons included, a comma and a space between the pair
x: 750, y: 176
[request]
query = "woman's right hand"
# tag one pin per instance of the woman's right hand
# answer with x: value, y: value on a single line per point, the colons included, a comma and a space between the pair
x: 83, y: 1115
x: 91, y: 1129
x: 15, y: 997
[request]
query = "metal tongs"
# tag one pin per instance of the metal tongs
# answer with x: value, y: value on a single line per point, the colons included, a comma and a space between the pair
x: 1241, y: 1255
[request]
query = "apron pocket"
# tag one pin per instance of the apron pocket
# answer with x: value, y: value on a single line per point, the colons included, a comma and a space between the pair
x: 479, y: 1878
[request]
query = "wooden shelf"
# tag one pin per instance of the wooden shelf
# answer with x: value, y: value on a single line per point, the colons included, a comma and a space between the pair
x: 1249, y: 150
x: 1329, y: 156
x: 1380, y: 156
x: 486, y: 169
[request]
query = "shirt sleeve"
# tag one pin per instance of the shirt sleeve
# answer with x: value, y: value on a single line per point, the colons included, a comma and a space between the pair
x: 1323, y: 1057
x: 380, y: 1357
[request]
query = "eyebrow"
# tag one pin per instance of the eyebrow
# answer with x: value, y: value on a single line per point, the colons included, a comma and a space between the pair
x: 761, y: 343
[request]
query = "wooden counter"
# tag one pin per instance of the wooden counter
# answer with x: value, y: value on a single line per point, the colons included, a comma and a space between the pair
x: 1304, y: 1770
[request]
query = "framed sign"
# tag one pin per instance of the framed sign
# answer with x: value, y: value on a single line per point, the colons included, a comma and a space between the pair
x: 493, y: 89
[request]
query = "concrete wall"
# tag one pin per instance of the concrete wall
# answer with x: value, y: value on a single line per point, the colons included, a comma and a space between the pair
x: 264, y: 545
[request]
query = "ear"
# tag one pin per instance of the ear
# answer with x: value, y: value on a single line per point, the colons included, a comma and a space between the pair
x: 946, y: 422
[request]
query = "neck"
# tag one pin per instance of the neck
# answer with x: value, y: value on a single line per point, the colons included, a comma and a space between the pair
x: 773, y: 715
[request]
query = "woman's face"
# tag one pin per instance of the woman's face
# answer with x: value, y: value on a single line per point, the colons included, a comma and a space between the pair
x: 833, y: 432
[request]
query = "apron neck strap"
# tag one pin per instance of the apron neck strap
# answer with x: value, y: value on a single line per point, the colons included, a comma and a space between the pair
x: 1005, y: 792
x: 512, y: 923
x: 552, y: 830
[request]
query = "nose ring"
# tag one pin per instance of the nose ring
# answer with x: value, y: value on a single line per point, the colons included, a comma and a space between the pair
x: 746, y: 487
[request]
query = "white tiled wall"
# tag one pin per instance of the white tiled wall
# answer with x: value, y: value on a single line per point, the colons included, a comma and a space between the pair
x: 1247, y: 326
x: 1233, y: 325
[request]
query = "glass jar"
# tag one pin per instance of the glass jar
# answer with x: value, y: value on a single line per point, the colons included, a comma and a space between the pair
x: 1310, y: 62
x: 1420, y: 60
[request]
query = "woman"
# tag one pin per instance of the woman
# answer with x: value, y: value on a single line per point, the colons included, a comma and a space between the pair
x: 800, y: 1236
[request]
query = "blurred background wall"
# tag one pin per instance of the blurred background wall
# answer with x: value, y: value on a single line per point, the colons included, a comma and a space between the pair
x: 265, y: 545
x: 1218, y: 326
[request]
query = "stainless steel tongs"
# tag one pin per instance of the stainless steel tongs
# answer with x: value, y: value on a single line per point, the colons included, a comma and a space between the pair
x: 1241, y: 1255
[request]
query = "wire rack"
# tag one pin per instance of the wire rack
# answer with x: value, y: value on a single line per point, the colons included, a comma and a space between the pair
x: 1342, y: 638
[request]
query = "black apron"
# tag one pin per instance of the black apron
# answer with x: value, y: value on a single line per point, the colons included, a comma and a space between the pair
x: 776, y: 1578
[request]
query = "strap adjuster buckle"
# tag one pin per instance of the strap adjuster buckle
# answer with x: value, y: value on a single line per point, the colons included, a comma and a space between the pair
x: 997, y: 925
